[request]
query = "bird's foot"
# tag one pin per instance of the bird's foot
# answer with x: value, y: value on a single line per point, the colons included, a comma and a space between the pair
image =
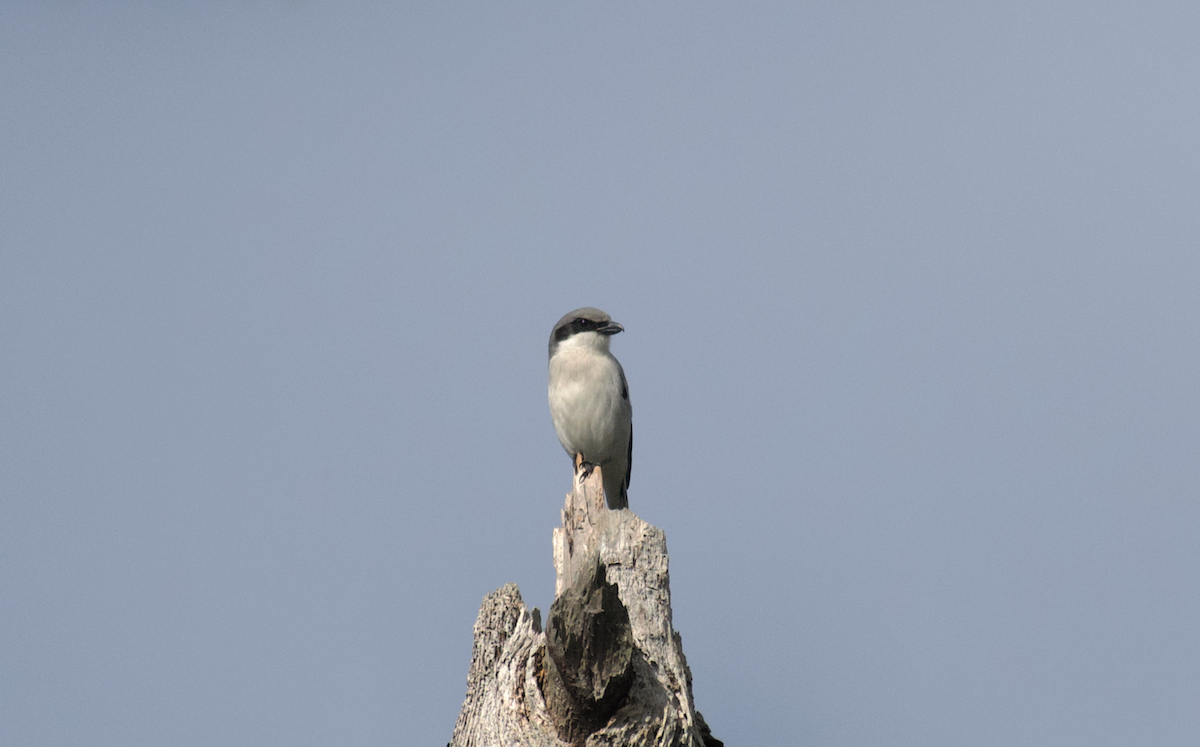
x: 584, y: 470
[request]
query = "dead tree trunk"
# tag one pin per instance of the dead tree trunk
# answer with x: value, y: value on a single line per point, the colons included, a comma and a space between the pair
x: 609, y: 667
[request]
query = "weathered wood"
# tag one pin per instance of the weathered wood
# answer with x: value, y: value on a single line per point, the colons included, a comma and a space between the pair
x: 579, y: 533
x: 590, y: 650
x: 501, y: 682
x: 609, y: 670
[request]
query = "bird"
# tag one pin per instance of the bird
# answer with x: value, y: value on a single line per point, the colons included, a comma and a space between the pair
x: 589, y: 400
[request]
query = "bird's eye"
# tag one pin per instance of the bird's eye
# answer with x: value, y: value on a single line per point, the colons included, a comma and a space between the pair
x: 581, y: 322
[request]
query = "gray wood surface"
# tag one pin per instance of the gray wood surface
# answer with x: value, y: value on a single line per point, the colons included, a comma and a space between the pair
x: 613, y: 673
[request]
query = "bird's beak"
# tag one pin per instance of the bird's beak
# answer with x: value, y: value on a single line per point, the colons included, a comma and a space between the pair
x: 610, y: 329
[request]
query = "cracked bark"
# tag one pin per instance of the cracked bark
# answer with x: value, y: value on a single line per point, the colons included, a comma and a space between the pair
x: 608, y: 669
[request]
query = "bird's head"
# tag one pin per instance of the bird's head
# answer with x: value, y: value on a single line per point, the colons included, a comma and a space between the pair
x: 587, y: 327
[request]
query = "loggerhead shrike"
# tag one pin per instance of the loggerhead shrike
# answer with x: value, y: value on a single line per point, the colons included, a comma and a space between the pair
x: 589, y: 399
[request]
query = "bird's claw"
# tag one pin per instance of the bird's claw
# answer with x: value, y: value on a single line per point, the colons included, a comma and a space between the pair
x: 585, y: 470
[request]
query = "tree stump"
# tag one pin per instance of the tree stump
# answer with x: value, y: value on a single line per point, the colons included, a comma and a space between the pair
x: 609, y: 667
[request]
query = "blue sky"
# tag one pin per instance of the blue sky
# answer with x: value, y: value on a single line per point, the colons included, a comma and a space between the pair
x: 911, y: 310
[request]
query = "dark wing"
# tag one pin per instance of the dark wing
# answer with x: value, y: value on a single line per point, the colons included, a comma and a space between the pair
x: 629, y: 460
x: 625, y: 396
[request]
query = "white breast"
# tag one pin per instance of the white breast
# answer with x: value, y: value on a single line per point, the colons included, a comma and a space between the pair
x: 589, y: 413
